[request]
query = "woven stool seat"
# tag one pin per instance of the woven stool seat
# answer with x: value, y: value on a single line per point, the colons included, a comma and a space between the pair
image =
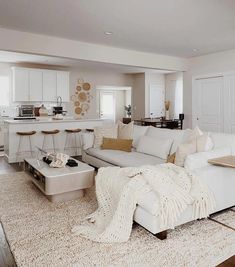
x: 73, y: 130
x: 26, y: 133
x: 90, y: 130
x: 51, y: 132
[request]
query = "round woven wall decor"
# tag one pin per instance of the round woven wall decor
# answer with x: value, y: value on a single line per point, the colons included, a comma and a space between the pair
x: 77, y: 103
x: 78, y: 110
x: 82, y: 97
x: 78, y: 88
x: 86, y: 86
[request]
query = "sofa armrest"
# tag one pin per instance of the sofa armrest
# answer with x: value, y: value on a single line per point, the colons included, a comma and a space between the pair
x: 199, y: 160
x: 87, y: 140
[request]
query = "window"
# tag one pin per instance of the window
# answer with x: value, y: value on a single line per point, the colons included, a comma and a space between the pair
x: 4, y: 91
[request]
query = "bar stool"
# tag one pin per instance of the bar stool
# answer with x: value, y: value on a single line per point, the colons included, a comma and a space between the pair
x: 72, y: 133
x: 90, y: 130
x: 51, y: 133
x: 22, y: 135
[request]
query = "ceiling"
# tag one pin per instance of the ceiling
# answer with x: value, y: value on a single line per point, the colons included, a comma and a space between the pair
x: 182, y: 28
x: 22, y: 58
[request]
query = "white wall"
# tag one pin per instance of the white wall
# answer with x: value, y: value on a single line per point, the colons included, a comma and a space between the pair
x: 138, y: 96
x: 96, y: 79
x: 215, y: 63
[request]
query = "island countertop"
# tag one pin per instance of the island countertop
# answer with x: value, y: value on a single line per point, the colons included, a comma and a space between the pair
x: 49, y: 120
x: 12, y: 140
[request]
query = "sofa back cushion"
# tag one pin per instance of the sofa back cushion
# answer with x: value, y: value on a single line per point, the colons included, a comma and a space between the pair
x: 138, y: 131
x: 223, y: 140
x: 104, y: 131
x: 125, y: 131
x: 178, y: 136
x: 155, y: 147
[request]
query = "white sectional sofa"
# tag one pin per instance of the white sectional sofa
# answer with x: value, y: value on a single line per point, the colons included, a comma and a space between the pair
x: 102, y: 158
x: 221, y: 180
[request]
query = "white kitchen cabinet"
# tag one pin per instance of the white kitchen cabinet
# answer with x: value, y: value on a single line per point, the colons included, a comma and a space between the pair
x: 20, y: 84
x: 63, y: 85
x: 39, y: 85
x: 35, y: 85
x: 49, y: 86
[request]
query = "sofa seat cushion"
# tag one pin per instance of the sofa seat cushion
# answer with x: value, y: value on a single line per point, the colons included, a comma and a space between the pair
x: 124, y: 159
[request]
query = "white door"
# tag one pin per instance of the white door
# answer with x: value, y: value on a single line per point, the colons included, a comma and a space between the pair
x: 63, y: 85
x: 107, y: 105
x: 208, y: 104
x: 49, y: 86
x: 20, y: 84
x: 156, y: 100
x: 35, y: 85
x: 229, y: 104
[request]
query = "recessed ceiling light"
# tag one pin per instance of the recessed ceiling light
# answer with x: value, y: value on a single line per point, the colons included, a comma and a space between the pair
x: 194, y: 49
x: 108, y: 33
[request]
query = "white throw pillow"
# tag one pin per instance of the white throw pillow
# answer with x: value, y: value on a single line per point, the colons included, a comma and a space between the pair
x: 137, y: 133
x: 159, y: 133
x: 155, y: 147
x: 183, y: 151
x: 204, y: 143
x: 125, y: 131
x: 101, y: 132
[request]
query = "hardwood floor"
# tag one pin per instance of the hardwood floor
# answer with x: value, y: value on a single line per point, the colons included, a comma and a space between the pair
x: 6, y: 257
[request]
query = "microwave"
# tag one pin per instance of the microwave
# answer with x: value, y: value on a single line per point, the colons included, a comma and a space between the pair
x: 26, y: 111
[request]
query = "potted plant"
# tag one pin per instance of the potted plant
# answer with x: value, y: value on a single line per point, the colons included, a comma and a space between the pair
x: 128, y: 110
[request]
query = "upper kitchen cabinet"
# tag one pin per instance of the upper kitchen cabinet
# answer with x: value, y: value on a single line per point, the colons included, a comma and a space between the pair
x: 63, y: 85
x: 20, y: 84
x: 49, y: 86
x: 39, y: 85
x: 35, y: 85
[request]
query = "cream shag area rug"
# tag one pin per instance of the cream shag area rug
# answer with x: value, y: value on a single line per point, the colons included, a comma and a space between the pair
x: 39, y: 234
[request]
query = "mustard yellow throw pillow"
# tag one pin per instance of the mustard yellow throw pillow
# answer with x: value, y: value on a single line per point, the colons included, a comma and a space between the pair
x: 117, y: 144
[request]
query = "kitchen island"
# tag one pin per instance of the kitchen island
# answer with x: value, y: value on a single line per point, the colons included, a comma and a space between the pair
x: 11, y: 139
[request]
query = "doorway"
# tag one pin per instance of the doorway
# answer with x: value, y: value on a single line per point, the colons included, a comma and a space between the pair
x: 112, y: 101
x: 107, y: 105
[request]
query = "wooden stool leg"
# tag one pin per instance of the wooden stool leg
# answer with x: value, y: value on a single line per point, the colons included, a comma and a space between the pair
x: 43, y: 144
x: 80, y: 141
x: 66, y: 140
x: 53, y: 141
x: 18, y: 151
x: 30, y: 145
x: 76, y: 147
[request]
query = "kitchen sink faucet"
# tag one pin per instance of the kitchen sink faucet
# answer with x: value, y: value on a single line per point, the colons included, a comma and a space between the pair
x: 59, y: 101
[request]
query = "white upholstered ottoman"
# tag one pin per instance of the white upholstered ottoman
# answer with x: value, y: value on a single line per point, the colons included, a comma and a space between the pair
x: 60, y: 184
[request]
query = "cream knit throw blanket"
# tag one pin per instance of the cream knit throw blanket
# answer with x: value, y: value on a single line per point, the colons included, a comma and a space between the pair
x: 118, y: 191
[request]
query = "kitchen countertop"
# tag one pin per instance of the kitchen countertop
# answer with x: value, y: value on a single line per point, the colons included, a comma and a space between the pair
x: 48, y: 120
